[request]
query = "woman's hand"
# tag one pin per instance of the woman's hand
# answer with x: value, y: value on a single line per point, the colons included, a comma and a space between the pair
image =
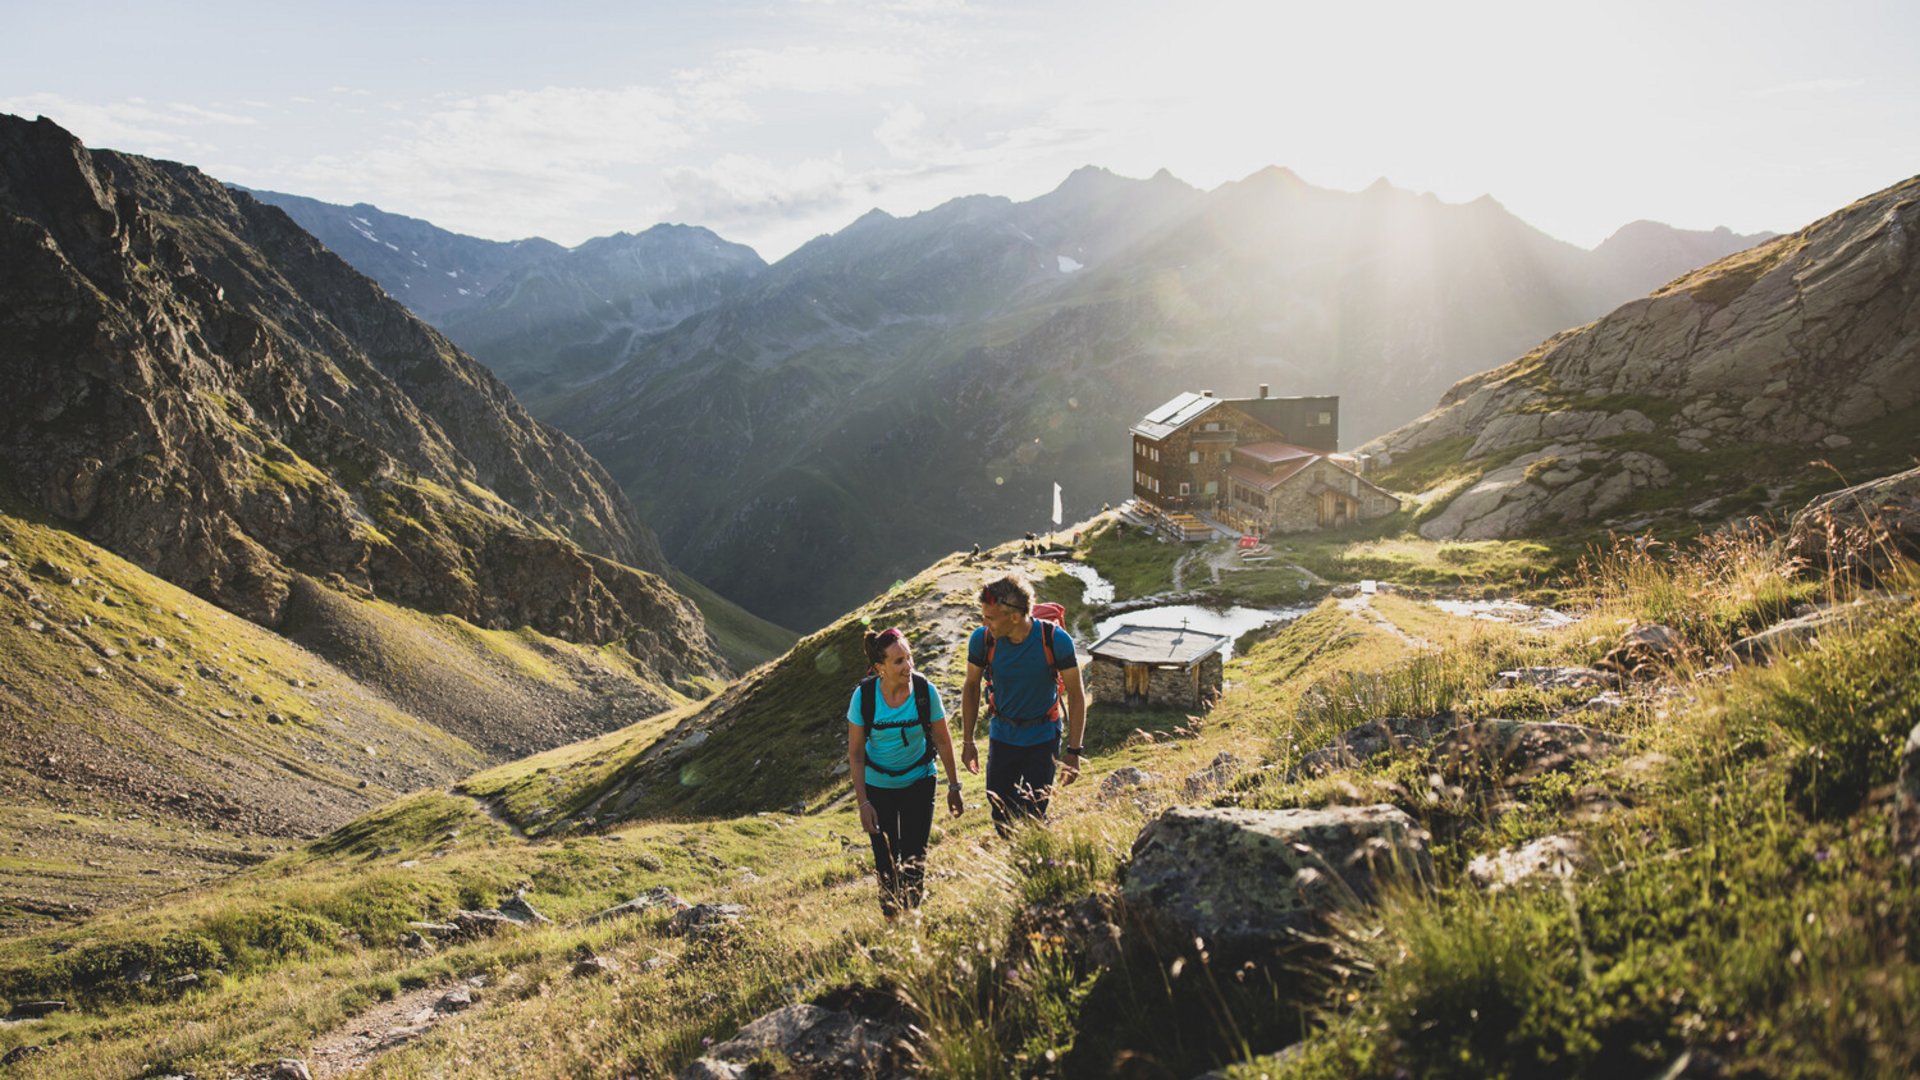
x: 970, y: 756
x: 869, y: 820
x: 955, y: 804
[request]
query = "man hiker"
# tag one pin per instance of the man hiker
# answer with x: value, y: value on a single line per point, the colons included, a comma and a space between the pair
x: 1031, y: 676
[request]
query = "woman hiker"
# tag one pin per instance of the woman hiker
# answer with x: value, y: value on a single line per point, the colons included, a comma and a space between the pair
x: 895, y: 726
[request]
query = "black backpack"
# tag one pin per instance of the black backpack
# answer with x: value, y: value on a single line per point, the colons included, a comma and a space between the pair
x: 923, y: 713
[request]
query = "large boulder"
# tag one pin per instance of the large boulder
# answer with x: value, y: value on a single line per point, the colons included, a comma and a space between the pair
x: 1860, y: 529
x: 859, y: 1034
x: 1516, y: 752
x: 1249, y: 881
x: 1356, y: 745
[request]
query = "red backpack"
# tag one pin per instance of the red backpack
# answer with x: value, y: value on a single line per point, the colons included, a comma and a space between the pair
x: 1047, y: 617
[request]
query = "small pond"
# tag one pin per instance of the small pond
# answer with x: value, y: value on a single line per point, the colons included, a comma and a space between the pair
x: 1512, y: 612
x: 1099, y: 589
x: 1232, y: 621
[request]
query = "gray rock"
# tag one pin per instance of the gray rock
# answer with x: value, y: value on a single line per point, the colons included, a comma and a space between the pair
x: 1556, y: 677
x: 32, y: 1010
x: 477, y: 924
x: 704, y: 918
x: 1558, y: 856
x: 520, y: 910
x: 1784, y: 636
x: 1125, y: 778
x: 1860, y: 529
x: 1643, y: 648
x: 1224, y: 767
x: 814, y: 1041
x: 290, y: 1069
x: 1364, y: 741
x: 1247, y: 881
x: 595, y: 967
x: 1517, y: 751
x: 454, y: 1000
x: 658, y: 896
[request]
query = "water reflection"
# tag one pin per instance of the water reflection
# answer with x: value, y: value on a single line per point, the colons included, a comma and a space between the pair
x: 1099, y: 589
x: 1512, y: 612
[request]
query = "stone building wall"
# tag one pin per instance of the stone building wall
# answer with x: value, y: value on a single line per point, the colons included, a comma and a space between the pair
x: 1295, y: 506
x: 1166, y: 686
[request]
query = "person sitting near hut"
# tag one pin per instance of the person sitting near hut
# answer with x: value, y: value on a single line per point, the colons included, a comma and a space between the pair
x: 895, y: 726
x: 1031, y: 676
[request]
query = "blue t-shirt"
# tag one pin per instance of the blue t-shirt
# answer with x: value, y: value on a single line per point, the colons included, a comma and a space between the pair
x: 1023, y: 685
x: 897, y: 748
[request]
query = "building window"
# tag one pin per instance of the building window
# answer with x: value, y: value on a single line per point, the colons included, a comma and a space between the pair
x: 1213, y: 487
x: 1226, y: 457
x: 1186, y: 488
x: 1326, y: 418
x: 1193, y: 457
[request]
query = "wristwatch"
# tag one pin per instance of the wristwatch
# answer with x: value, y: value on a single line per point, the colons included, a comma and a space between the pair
x: 1076, y: 751
x: 953, y: 785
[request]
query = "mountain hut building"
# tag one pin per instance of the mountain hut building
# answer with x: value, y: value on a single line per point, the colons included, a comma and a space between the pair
x: 1267, y: 464
x: 1151, y: 665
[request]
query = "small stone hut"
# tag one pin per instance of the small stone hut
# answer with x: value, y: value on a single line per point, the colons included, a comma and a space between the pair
x: 1152, y: 665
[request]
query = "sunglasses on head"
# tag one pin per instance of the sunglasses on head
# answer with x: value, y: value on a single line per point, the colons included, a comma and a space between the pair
x: 989, y: 595
x: 888, y: 636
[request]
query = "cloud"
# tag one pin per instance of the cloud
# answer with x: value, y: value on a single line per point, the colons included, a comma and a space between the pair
x: 1811, y: 86
x: 721, y: 90
x: 740, y: 188
x: 905, y: 133
x: 132, y: 124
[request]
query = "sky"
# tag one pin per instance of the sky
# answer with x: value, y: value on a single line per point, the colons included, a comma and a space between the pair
x: 771, y: 123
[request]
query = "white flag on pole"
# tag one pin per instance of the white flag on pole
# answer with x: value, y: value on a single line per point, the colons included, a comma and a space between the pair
x: 1056, y: 504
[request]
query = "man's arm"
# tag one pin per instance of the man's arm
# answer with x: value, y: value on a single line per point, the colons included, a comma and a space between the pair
x: 969, y: 716
x: 1076, y: 724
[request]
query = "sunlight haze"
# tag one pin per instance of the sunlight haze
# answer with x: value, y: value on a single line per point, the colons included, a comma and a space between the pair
x: 772, y: 123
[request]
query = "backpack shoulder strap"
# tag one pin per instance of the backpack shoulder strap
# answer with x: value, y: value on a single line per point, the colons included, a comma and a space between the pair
x: 869, y: 691
x: 923, y: 700
x: 1046, y: 642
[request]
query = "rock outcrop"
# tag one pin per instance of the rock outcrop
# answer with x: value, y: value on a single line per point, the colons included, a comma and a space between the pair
x: 1863, y: 529
x: 1805, y: 341
x: 1246, y: 882
x: 200, y: 386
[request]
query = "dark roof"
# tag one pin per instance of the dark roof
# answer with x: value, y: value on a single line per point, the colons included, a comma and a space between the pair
x: 1169, y: 418
x: 1156, y: 645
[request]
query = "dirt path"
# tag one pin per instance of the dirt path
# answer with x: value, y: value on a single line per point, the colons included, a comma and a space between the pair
x: 387, y: 1026
x: 492, y: 809
x: 1361, y: 606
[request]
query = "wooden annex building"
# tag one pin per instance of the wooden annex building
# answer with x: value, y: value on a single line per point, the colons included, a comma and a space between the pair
x: 1151, y: 665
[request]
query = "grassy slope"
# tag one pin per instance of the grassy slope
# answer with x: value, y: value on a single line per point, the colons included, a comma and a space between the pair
x: 135, y: 758
x: 1754, y: 915
x: 745, y: 639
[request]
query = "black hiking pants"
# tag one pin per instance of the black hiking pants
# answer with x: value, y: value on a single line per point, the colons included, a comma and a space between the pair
x: 1019, y: 780
x: 900, y: 847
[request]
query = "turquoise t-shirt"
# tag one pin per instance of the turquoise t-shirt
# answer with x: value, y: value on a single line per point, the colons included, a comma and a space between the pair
x: 1023, y: 686
x: 897, y: 748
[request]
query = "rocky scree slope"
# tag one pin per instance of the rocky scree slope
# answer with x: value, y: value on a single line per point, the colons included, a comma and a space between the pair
x: 200, y: 386
x: 986, y: 349
x: 1805, y: 346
